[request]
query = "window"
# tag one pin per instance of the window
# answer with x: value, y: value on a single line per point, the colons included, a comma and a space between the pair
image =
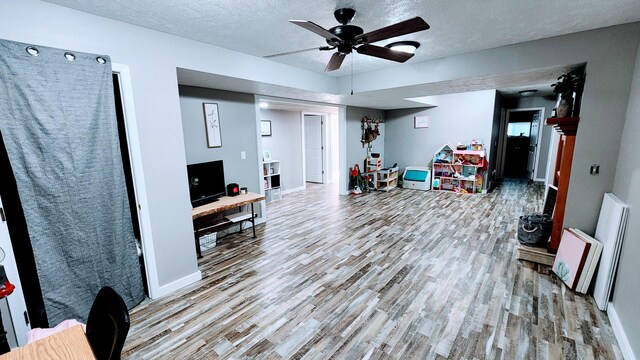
x: 519, y: 129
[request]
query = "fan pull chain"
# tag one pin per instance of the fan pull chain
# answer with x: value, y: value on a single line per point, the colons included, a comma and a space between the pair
x: 352, y: 56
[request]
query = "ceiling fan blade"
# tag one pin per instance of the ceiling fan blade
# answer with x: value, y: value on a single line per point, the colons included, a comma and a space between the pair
x: 402, y: 28
x: 335, y: 62
x: 313, y: 27
x: 293, y: 52
x: 383, y: 53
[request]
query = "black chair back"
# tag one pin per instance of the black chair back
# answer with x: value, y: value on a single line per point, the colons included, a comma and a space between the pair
x: 107, y: 324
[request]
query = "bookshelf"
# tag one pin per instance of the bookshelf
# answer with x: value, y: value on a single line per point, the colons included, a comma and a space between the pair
x: 271, y: 176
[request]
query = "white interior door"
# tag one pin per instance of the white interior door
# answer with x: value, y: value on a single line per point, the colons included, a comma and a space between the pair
x: 533, y: 145
x: 313, y: 148
x: 14, y: 320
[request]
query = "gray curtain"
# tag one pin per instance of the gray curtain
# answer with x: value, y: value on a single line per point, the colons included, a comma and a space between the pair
x: 58, y: 122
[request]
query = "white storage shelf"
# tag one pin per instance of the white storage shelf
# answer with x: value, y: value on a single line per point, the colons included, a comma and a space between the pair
x: 271, y: 176
x: 387, y: 179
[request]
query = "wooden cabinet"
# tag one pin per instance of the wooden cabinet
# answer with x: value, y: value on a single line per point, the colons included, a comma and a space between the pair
x: 567, y: 127
x: 271, y: 175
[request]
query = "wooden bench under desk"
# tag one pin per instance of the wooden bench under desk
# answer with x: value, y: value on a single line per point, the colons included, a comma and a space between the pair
x: 218, y: 207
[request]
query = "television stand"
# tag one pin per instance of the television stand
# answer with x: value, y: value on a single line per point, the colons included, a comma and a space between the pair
x: 202, y: 215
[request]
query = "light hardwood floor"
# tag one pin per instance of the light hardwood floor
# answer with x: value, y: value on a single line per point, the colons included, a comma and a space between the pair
x: 404, y: 275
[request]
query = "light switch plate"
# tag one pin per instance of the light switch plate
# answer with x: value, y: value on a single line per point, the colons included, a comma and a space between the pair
x: 595, y: 169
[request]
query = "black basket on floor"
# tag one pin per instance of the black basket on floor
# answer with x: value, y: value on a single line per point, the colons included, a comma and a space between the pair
x: 534, y: 229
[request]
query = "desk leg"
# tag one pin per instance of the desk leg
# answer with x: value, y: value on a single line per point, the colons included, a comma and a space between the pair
x: 198, y: 251
x: 253, y: 222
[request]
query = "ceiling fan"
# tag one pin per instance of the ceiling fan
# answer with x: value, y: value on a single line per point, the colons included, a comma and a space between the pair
x: 346, y: 38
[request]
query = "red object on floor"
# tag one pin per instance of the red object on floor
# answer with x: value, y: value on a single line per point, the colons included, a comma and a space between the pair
x: 7, y: 289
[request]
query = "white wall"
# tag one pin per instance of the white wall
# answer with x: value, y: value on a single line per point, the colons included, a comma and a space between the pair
x: 627, y: 188
x: 457, y: 118
x: 153, y: 58
x: 610, y: 55
x: 285, y: 145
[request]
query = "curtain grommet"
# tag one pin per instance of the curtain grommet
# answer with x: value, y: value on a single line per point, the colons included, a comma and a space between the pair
x: 32, y: 50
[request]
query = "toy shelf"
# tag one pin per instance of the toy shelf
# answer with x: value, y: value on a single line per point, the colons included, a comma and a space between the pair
x: 387, y: 179
x: 458, y: 170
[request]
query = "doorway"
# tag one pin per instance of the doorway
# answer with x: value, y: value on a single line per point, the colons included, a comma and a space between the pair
x: 519, y: 142
x: 25, y: 307
x: 303, y: 139
x: 314, y: 139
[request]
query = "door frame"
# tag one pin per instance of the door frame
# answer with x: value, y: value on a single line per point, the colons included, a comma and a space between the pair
x: 502, y: 141
x: 16, y: 301
x: 323, y: 141
x: 140, y: 190
x: 17, y: 304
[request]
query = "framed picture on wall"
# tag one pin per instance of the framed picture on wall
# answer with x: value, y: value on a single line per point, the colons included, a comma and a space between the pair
x: 212, y: 125
x: 265, y: 127
x: 420, y: 122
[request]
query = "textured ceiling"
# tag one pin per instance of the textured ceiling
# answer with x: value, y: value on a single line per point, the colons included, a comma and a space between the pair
x: 261, y: 27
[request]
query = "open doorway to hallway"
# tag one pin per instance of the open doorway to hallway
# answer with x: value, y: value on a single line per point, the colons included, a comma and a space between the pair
x: 523, y: 128
x: 523, y: 141
x: 300, y: 146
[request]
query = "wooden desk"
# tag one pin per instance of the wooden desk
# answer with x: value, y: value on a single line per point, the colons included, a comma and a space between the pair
x: 65, y: 345
x: 217, y: 207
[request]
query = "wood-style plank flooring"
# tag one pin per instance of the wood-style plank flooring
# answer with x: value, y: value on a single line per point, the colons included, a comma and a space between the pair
x: 400, y: 275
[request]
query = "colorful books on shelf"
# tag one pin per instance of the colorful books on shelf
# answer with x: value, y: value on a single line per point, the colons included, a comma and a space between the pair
x: 577, y: 259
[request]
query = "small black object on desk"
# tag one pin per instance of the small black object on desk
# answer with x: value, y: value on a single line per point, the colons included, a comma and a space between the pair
x: 233, y: 189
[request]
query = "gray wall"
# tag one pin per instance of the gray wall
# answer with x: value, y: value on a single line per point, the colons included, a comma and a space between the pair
x: 355, y: 152
x: 285, y: 145
x: 627, y: 188
x: 153, y: 57
x: 237, y: 115
x: 457, y: 118
x: 610, y: 54
x: 543, y: 142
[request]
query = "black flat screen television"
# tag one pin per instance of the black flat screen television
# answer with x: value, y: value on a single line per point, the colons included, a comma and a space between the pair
x: 206, y: 182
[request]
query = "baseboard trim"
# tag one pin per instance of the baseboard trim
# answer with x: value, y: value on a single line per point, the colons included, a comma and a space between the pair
x: 178, y: 284
x: 619, y: 333
x: 289, y: 191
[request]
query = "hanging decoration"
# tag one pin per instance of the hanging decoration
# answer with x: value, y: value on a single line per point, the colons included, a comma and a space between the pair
x: 370, y: 129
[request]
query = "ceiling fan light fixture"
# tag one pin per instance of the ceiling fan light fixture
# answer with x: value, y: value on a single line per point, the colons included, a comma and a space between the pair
x: 404, y: 46
x: 527, y: 92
